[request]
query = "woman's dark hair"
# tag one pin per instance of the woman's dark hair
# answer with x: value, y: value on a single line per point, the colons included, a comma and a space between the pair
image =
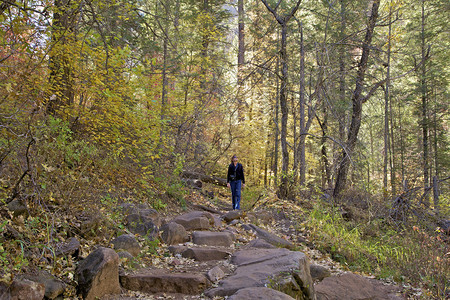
x: 233, y: 157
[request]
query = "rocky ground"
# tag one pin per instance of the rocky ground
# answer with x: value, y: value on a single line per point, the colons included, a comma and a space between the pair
x: 206, y: 252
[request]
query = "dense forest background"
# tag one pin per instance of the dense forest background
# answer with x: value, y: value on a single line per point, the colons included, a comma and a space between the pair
x: 119, y: 98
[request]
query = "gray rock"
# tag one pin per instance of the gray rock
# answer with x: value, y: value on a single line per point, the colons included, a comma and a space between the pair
x: 350, y: 286
x: 259, y: 293
x: 69, y: 248
x: 125, y: 254
x: 128, y: 243
x: 142, y: 225
x: 271, y: 238
x: 174, y: 233
x: 215, y: 274
x: 53, y: 286
x: 26, y: 289
x: 281, y: 268
x: 176, y: 249
x: 195, y: 220
x: 232, y: 215
x: 161, y: 281
x: 98, y: 274
x: 319, y: 272
x: 18, y: 208
x: 205, y: 254
x: 210, y: 238
x: 260, y: 243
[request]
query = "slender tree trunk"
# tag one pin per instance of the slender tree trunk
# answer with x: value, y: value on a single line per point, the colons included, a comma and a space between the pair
x: 357, y: 101
x: 386, y: 112
x: 284, y: 114
x: 424, y: 122
x: 301, y: 146
x: 241, y: 60
x: 342, y: 86
x: 277, y: 128
x: 283, y: 20
x: 164, y: 91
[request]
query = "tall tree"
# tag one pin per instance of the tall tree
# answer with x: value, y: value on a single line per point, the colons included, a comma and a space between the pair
x: 357, y: 101
x: 283, y: 22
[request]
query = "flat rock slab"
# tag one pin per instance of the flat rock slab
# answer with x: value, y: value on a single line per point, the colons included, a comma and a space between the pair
x: 211, y: 238
x: 350, y: 286
x: 205, y: 254
x: 161, y: 281
x: 271, y: 238
x: 259, y: 293
x: 260, y: 243
x: 262, y: 267
x: 195, y: 220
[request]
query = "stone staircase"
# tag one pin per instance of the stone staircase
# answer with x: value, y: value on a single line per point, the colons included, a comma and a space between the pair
x: 221, y: 265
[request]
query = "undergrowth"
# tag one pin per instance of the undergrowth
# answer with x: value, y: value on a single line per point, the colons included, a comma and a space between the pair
x: 410, y: 255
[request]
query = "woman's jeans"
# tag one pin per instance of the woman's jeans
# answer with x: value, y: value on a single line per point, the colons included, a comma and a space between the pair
x: 236, y: 193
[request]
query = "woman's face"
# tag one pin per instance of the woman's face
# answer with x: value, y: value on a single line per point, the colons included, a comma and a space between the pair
x: 235, y: 160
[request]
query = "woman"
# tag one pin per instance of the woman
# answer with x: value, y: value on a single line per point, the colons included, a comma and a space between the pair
x: 235, y: 179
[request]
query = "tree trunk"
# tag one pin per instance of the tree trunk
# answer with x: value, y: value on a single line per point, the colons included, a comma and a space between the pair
x: 342, y: 87
x: 301, y: 147
x: 284, y: 114
x: 357, y: 101
x: 241, y: 61
x: 61, y: 77
x: 277, y: 128
x: 283, y: 20
x: 164, y: 91
x: 423, y: 83
x: 386, y: 112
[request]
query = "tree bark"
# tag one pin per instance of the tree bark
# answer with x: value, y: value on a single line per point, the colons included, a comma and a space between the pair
x: 357, y: 101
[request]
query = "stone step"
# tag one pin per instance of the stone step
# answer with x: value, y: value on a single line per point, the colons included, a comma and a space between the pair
x: 206, y: 254
x: 210, y: 238
x: 162, y: 281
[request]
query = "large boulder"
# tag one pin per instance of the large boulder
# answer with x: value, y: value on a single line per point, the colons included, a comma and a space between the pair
x: 24, y: 289
x: 128, y: 243
x: 205, y: 254
x: 350, y: 286
x: 287, y: 271
x: 211, y: 238
x: 270, y: 237
x: 98, y: 274
x: 195, y: 220
x: 162, y: 281
x: 262, y: 293
x: 173, y: 233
